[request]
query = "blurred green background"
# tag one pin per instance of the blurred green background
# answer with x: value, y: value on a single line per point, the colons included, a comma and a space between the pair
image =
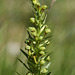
x: 14, y: 20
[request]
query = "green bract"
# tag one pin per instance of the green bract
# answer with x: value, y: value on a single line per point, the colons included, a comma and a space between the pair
x: 38, y: 58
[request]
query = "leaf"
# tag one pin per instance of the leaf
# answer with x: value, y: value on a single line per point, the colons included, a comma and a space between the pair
x: 29, y: 62
x: 24, y: 53
x: 32, y: 67
x: 24, y: 64
x: 49, y: 73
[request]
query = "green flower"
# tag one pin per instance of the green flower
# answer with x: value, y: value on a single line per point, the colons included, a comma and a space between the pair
x: 44, y: 7
x: 34, y: 42
x: 35, y: 1
x: 33, y: 31
x: 32, y: 20
x: 38, y: 4
x: 44, y: 70
x: 47, y: 31
x: 42, y: 62
x: 29, y: 53
x: 40, y: 38
x: 47, y: 42
x: 27, y: 47
x: 37, y: 57
x: 42, y: 52
x: 42, y: 48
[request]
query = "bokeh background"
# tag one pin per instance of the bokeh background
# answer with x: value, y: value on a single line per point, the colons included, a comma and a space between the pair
x: 14, y: 20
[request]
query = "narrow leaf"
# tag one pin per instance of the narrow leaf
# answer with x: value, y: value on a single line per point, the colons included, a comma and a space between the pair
x: 24, y: 64
x: 29, y: 34
x: 31, y: 64
x: 24, y: 53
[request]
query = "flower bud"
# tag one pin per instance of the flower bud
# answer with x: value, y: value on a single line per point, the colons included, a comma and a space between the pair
x: 35, y: 2
x: 42, y: 52
x: 42, y: 62
x: 34, y: 42
x: 47, y: 31
x: 27, y: 47
x: 33, y: 31
x: 47, y: 42
x: 27, y: 41
x: 32, y: 20
x: 38, y: 4
x: 41, y: 38
x: 42, y: 48
x: 48, y: 58
x: 29, y: 53
x: 44, y: 7
x: 44, y: 70
x: 36, y: 38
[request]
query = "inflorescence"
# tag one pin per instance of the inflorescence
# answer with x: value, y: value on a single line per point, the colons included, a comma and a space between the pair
x: 38, y: 59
